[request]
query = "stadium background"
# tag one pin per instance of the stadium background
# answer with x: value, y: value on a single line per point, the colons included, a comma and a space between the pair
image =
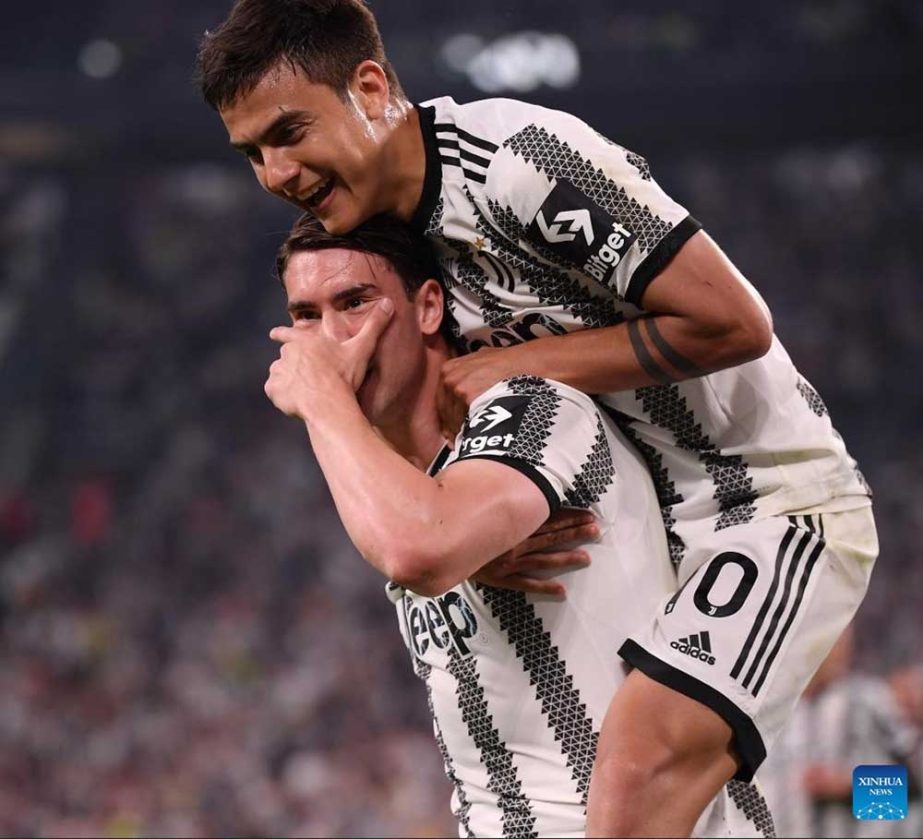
x: 190, y: 646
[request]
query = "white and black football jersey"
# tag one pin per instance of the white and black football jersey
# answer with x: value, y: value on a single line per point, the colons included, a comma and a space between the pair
x: 543, y: 226
x: 519, y: 684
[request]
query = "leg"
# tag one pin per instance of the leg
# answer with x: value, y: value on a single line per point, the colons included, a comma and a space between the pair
x: 760, y: 606
x: 657, y: 746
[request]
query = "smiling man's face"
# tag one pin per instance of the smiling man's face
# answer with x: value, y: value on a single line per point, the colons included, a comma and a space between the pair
x: 313, y: 148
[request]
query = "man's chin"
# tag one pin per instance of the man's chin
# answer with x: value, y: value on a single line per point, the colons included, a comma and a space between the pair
x: 339, y: 220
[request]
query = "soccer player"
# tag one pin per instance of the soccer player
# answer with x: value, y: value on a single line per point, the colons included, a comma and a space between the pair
x: 518, y: 685
x: 564, y: 259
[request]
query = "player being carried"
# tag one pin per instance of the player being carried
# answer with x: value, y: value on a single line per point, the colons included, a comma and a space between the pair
x: 519, y: 686
x: 564, y: 259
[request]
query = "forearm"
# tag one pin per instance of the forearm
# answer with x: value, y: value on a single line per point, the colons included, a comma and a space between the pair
x: 658, y: 349
x: 415, y: 529
x: 378, y: 494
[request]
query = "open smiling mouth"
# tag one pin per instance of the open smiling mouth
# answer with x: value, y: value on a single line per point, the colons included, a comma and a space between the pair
x: 320, y: 195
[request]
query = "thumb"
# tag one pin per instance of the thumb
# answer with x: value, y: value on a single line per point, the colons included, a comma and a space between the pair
x: 366, y: 339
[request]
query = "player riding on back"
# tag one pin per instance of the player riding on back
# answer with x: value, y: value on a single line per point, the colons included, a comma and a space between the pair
x: 559, y: 247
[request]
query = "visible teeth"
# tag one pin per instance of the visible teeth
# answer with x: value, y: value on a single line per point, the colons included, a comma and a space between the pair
x: 307, y: 196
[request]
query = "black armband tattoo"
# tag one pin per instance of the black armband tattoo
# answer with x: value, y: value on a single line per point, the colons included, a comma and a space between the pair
x: 680, y: 362
x: 645, y: 359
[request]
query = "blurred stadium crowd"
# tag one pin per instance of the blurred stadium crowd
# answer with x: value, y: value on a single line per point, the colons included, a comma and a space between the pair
x: 189, y: 646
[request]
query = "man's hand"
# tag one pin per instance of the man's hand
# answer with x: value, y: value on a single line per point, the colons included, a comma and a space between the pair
x: 514, y: 570
x: 466, y: 377
x: 312, y: 365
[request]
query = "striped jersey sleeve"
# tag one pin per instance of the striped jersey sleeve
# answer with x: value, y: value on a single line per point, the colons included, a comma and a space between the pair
x: 590, y: 204
x: 583, y: 201
x: 551, y: 433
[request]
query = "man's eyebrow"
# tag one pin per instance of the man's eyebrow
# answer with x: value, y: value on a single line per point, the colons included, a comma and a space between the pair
x: 344, y: 294
x: 268, y: 134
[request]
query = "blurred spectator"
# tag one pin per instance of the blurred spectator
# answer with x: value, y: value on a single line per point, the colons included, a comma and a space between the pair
x: 844, y: 719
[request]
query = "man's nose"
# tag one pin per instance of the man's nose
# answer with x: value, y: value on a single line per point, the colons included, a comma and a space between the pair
x: 281, y: 172
x: 339, y: 328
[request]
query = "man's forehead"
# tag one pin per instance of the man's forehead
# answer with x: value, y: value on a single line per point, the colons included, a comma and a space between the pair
x: 283, y: 87
x: 324, y: 272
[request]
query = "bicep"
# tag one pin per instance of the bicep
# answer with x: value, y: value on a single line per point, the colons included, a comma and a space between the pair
x: 489, y: 506
x: 702, y: 284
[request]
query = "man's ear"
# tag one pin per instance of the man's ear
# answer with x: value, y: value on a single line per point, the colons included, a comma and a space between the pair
x: 429, y: 302
x: 370, y: 89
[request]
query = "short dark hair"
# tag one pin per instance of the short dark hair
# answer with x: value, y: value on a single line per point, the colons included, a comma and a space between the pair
x: 410, y: 254
x: 325, y: 39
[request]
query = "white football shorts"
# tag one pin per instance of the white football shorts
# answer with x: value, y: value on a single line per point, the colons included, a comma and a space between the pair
x: 759, y: 607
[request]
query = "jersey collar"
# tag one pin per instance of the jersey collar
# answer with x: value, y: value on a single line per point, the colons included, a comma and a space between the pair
x: 439, y: 461
x: 432, y: 181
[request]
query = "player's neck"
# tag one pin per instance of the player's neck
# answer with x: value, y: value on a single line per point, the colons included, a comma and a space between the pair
x: 405, y: 162
x: 415, y: 433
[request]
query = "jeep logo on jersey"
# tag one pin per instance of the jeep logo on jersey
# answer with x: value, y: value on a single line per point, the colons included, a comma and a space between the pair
x: 440, y: 621
x: 580, y: 231
x: 494, y: 426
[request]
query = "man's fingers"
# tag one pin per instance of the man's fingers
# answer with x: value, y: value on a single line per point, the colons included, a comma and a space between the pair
x: 558, y: 561
x: 283, y: 334
x: 542, y: 541
x: 532, y: 585
x: 566, y: 519
x: 452, y: 412
x: 456, y: 417
x: 374, y: 325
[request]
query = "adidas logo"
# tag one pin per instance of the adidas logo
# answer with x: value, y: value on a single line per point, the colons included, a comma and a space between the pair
x: 697, y: 645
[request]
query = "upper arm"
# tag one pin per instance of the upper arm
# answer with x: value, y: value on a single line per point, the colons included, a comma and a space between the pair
x: 519, y: 458
x: 591, y: 205
x: 700, y: 283
x: 489, y: 506
x: 588, y: 204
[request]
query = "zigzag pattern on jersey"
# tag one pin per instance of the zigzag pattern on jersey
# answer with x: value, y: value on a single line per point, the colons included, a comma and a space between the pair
x: 434, y: 225
x: 734, y: 491
x: 634, y: 159
x: 554, y: 686
x: 556, y: 159
x: 423, y: 670
x: 434, y: 229
x: 536, y: 420
x: 502, y: 777
x: 550, y: 285
x: 467, y: 273
x: 512, y: 227
x: 595, y: 475
x: 667, y: 496
x: 639, y: 163
x: 812, y: 397
x: 749, y: 800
